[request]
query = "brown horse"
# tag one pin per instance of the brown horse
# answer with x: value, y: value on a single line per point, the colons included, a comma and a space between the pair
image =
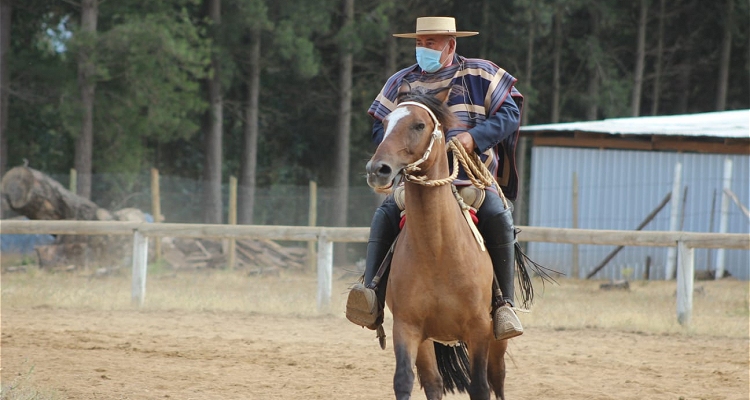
x: 440, y: 283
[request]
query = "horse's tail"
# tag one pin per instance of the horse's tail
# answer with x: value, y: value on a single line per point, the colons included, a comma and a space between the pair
x: 523, y: 264
x: 453, y: 364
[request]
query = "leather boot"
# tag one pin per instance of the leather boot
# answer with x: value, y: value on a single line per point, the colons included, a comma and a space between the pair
x: 496, y: 226
x: 366, y: 302
x: 506, y: 324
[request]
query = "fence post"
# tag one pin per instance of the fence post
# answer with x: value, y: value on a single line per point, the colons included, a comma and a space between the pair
x: 156, y: 209
x: 232, y: 219
x: 325, y: 272
x: 312, y: 220
x: 73, y: 186
x: 724, y: 219
x: 140, y: 264
x: 674, y: 219
x: 685, y: 274
x: 574, y: 273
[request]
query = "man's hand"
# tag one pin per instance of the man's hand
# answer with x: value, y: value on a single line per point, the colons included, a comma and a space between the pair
x: 466, y: 141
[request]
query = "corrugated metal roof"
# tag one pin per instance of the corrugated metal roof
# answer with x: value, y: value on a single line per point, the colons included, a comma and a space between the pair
x: 724, y: 124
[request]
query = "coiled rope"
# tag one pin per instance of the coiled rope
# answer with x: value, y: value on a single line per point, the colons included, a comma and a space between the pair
x: 476, y: 171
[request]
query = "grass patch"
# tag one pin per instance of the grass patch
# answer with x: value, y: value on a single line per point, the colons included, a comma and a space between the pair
x: 720, y: 308
x: 22, y: 388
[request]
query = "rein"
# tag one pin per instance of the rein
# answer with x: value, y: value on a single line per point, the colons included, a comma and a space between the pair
x: 475, y: 169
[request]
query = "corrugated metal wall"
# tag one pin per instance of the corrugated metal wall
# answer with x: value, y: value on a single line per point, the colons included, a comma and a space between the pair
x: 617, y: 189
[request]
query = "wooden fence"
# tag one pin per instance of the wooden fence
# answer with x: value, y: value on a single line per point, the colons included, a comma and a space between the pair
x: 685, y: 242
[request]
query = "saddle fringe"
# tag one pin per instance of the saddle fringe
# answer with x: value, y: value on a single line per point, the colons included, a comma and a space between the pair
x: 523, y: 265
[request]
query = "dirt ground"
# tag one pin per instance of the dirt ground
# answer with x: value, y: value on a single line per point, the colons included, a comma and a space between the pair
x: 231, y: 355
x: 67, y: 352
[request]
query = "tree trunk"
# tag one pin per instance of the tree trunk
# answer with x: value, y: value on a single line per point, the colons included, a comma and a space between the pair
x: 555, y: 118
x: 659, y: 60
x: 529, y: 57
x: 391, y: 55
x: 87, y: 84
x: 592, y: 109
x: 484, y: 27
x: 37, y: 196
x: 212, y: 206
x: 640, y: 60
x: 5, y: 13
x: 520, y: 207
x: 250, y: 152
x: 341, y: 172
x: 726, y: 53
x: 685, y: 73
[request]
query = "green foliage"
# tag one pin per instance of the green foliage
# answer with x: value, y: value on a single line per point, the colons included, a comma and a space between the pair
x: 157, y: 62
x: 298, y: 51
x: 37, y: 84
x: 247, y: 15
x: 159, y: 267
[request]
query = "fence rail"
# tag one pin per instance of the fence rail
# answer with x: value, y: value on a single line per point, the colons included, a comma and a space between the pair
x: 685, y: 242
x: 352, y: 235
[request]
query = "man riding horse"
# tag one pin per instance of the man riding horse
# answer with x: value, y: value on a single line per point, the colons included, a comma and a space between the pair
x: 487, y: 104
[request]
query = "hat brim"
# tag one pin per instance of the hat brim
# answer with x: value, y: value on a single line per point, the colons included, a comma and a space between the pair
x: 442, y: 33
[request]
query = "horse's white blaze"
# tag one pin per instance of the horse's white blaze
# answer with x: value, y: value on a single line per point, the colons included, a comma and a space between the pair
x: 394, y: 117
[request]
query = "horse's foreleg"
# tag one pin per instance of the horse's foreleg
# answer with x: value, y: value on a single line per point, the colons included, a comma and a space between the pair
x: 405, y: 344
x: 429, y: 375
x: 478, y: 353
x: 496, y: 367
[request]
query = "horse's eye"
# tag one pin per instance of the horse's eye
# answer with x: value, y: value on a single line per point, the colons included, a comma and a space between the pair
x: 419, y: 126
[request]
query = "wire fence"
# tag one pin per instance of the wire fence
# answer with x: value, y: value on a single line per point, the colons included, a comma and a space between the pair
x: 289, y: 205
x: 181, y: 200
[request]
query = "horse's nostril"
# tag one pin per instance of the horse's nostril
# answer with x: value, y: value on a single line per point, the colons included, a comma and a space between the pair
x: 384, y: 170
x: 378, y: 170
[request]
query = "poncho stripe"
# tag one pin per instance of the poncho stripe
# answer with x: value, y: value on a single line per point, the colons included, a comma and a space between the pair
x: 479, y: 88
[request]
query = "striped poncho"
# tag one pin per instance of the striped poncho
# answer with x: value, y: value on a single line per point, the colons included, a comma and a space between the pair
x: 479, y: 99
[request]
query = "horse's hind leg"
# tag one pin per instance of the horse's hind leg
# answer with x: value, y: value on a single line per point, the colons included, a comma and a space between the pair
x: 496, y: 368
x: 429, y: 375
x: 405, y: 345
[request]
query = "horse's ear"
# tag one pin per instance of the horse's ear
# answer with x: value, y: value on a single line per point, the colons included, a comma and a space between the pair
x: 403, y: 90
x: 443, y: 94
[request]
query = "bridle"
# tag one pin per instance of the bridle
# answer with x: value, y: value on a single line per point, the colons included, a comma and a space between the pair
x: 437, y: 134
x: 475, y: 169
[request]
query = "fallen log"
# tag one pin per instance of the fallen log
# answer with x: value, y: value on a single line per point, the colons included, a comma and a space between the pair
x: 35, y: 195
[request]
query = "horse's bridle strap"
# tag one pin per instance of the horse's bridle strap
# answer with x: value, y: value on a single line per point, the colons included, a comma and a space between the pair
x: 436, y: 134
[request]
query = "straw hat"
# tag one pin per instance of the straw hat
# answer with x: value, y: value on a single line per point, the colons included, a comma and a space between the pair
x: 436, y: 26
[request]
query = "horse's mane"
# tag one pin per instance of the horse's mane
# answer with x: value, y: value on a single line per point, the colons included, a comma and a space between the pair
x: 431, y: 99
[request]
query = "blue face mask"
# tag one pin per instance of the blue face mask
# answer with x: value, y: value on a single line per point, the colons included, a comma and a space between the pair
x: 428, y: 59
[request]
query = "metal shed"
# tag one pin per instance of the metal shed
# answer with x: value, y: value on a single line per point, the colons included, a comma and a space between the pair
x: 624, y: 168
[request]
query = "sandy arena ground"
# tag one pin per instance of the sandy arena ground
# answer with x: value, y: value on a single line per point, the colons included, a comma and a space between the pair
x: 178, y: 354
